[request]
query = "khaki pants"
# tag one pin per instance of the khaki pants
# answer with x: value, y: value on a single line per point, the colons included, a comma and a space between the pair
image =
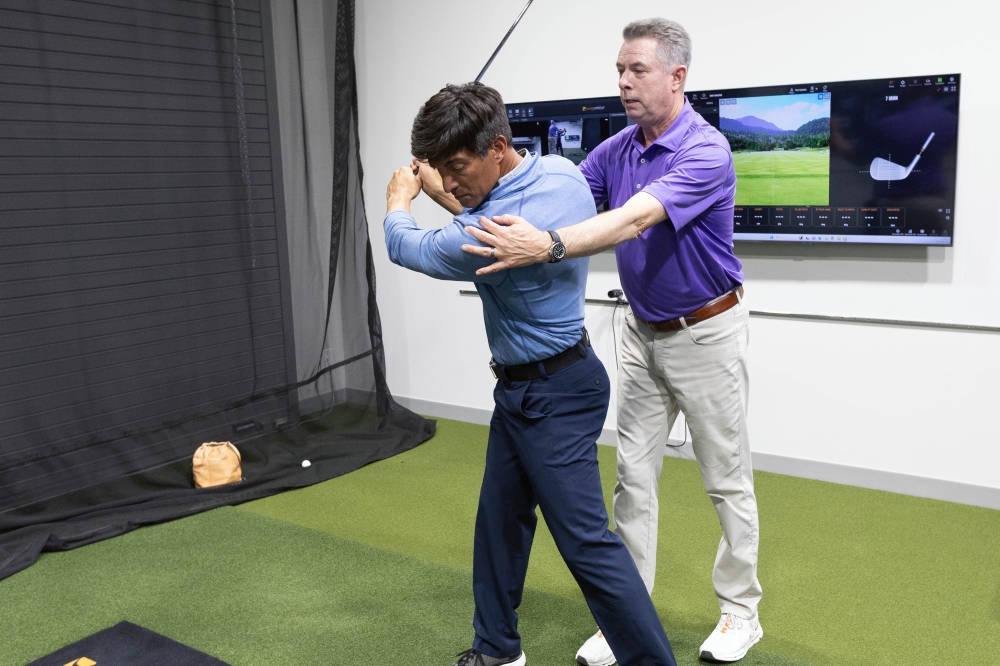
x: 702, y: 372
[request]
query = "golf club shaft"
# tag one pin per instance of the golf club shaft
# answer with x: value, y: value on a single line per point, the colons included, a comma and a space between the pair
x: 504, y: 40
x: 495, y: 52
x: 917, y: 158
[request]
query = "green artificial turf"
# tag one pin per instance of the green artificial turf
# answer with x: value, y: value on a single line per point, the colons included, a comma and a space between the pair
x: 374, y: 567
x: 783, y: 177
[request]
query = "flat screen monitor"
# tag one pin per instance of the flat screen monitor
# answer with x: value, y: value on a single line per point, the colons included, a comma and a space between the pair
x: 870, y: 161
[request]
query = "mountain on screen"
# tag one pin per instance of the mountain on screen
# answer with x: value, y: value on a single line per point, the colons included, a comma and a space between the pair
x: 750, y: 124
x: 817, y: 126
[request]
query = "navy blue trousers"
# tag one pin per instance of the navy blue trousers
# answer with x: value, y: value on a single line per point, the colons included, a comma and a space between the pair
x: 543, y: 453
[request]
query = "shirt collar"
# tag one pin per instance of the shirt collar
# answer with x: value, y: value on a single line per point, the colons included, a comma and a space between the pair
x: 672, y: 138
x: 516, y: 171
x: 517, y: 179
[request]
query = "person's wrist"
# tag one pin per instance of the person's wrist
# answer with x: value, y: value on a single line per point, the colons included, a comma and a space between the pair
x: 397, y: 203
x: 545, y: 243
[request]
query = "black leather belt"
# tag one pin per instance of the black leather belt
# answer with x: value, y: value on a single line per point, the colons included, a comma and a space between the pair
x: 553, y: 364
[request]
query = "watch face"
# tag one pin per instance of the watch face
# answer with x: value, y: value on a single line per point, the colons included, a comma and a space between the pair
x: 558, y: 251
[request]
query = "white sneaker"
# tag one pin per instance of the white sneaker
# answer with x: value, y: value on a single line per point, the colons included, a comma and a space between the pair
x: 595, y: 652
x: 732, y: 637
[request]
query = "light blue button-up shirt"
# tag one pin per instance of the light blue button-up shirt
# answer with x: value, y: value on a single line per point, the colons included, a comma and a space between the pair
x: 531, y: 313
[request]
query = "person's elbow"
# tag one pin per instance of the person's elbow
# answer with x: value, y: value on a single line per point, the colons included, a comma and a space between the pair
x: 394, y: 247
x: 394, y: 255
x: 639, y: 214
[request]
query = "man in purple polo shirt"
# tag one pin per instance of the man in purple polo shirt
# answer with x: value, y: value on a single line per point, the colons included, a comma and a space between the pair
x: 670, y: 184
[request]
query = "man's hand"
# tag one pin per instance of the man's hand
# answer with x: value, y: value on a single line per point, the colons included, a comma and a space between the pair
x: 431, y: 184
x: 402, y: 189
x: 516, y: 243
x: 511, y: 240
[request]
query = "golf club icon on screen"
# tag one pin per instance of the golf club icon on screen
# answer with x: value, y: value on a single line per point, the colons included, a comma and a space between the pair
x: 885, y: 170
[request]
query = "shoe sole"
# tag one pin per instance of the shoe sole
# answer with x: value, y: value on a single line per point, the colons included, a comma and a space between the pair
x: 583, y: 662
x: 708, y: 656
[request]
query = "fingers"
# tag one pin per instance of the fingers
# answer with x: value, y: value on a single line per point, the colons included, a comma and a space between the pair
x: 480, y: 235
x: 495, y: 267
x: 477, y: 250
x: 487, y: 225
x: 497, y: 225
x: 507, y: 220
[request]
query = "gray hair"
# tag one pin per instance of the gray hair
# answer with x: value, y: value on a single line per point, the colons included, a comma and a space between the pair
x: 674, y: 41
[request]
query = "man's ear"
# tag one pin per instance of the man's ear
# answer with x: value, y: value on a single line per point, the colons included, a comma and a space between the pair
x: 678, y: 76
x: 499, y: 148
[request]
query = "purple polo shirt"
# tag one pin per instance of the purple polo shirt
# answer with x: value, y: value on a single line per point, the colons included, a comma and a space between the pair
x: 677, y: 266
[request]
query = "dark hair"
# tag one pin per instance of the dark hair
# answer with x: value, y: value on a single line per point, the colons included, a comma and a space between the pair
x: 469, y: 116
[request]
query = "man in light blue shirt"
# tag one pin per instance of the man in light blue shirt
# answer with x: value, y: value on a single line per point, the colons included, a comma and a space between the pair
x: 552, y: 391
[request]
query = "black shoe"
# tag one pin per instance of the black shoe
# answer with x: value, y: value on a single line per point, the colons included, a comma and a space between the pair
x: 477, y: 658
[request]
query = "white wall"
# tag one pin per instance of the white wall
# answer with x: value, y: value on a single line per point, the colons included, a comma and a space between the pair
x: 917, y: 402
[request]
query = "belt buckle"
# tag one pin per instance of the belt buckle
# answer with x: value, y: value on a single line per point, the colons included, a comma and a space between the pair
x: 496, y: 369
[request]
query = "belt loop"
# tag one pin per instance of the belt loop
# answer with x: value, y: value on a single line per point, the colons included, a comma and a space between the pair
x: 684, y: 322
x: 739, y: 299
x: 541, y: 370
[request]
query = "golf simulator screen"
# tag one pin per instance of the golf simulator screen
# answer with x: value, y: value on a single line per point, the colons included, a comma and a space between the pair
x: 869, y: 161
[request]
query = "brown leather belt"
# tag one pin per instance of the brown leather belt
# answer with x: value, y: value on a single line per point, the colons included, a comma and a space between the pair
x: 716, y: 307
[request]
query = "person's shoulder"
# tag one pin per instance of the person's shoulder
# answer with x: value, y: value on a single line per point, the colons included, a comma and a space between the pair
x: 557, y: 165
x: 620, y: 138
x: 562, y: 178
x: 562, y: 170
x: 703, y: 134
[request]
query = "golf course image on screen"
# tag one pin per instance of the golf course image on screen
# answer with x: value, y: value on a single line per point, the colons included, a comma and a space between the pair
x: 781, y: 148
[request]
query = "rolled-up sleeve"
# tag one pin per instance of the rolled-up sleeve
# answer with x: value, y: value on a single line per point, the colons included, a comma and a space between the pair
x: 435, y: 252
x: 695, y: 183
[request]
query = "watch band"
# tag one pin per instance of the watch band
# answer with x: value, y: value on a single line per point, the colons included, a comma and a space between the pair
x: 557, y: 250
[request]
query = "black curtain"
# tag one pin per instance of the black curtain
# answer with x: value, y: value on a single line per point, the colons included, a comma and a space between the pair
x: 144, y: 294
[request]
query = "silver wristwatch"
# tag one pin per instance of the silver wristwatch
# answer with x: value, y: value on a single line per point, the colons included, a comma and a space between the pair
x: 557, y: 250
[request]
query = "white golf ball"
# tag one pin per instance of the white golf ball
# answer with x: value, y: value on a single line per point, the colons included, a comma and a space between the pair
x: 306, y: 463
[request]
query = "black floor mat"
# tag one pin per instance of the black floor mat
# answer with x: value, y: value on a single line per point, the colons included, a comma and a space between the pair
x: 127, y: 644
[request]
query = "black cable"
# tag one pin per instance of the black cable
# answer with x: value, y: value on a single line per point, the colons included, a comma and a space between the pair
x: 614, y: 334
x: 619, y: 297
x: 677, y: 446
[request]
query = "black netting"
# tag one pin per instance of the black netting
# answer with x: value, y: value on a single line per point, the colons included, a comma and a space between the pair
x: 152, y: 291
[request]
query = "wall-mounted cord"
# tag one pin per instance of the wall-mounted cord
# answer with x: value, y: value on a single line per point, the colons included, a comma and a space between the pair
x: 619, y: 297
x: 677, y: 446
x: 619, y: 300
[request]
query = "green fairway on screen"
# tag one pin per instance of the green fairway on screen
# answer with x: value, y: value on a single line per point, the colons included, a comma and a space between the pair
x: 781, y: 148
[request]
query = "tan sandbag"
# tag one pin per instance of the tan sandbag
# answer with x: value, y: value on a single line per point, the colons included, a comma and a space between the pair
x: 216, y: 464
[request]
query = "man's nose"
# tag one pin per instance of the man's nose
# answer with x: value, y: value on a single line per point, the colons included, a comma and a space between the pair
x: 449, y: 184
